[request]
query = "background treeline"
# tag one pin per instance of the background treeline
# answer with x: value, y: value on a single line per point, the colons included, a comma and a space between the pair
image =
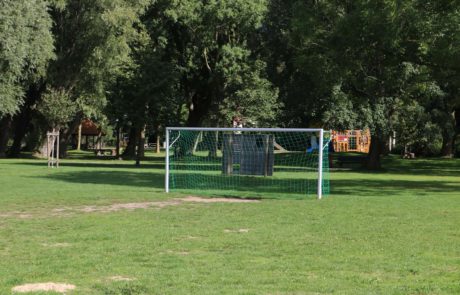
x: 140, y: 65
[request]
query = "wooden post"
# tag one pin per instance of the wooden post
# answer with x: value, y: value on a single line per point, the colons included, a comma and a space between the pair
x: 79, y: 137
x: 48, y: 151
x: 266, y: 151
x: 117, y: 147
x: 228, y: 155
x: 99, y: 140
x: 140, y: 145
x: 197, y: 141
x: 52, y: 148
x: 57, y: 154
x: 158, y: 143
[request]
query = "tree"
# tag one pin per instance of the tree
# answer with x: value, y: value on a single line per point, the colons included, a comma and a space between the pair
x: 303, y: 73
x: 26, y: 47
x: 197, y: 67
x: 369, y: 50
x: 93, y: 48
x: 210, y: 42
x: 443, y: 58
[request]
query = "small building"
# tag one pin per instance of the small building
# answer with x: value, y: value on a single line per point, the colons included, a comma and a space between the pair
x: 88, y: 135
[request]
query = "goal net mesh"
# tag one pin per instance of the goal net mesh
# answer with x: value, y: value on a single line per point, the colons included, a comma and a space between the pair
x: 247, y: 163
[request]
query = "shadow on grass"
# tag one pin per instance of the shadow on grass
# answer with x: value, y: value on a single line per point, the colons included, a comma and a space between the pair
x: 418, y: 167
x: 429, y: 167
x: 283, y: 163
x: 121, y: 165
x: 251, y: 186
x: 99, y: 165
x: 391, y: 187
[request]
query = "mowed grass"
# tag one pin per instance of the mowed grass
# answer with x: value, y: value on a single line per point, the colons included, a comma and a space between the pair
x: 392, y: 232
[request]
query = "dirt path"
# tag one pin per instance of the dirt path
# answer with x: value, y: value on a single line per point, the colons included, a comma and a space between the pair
x: 70, y: 211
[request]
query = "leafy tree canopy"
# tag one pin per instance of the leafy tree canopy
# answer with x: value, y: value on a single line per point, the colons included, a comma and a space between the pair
x: 26, y: 46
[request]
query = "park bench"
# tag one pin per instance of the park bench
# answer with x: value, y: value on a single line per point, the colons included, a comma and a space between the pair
x: 342, y: 160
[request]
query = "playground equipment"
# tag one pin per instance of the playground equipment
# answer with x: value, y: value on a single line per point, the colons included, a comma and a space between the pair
x: 352, y: 141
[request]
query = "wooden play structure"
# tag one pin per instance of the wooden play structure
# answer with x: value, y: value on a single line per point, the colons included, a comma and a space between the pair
x: 352, y: 141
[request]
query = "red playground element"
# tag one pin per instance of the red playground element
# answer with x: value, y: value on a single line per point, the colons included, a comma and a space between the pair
x: 352, y: 141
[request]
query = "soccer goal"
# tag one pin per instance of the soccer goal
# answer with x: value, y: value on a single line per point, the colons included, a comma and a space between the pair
x: 247, y: 161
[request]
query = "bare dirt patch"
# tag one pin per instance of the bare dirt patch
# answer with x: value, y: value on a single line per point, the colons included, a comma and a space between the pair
x: 55, y: 245
x: 17, y: 214
x: 217, y: 200
x: 121, y: 279
x: 55, y: 287
x: 241, y: 230
x: 126, y: 206
x: 70, y: 211
x: 180, y: 253
x: 114, y: 207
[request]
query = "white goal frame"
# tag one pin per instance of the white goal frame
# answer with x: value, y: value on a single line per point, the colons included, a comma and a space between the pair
x: 320, y: 153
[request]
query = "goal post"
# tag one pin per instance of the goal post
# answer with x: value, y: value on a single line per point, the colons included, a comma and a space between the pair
x: 247, y: 161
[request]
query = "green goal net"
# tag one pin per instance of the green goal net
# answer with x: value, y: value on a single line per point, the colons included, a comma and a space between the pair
x: 248, y: 162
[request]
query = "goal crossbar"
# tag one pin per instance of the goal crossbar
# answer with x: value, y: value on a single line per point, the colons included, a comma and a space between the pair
x: 246, y: 129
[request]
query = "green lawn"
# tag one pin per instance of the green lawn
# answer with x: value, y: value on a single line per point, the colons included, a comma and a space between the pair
x: 393, y: 232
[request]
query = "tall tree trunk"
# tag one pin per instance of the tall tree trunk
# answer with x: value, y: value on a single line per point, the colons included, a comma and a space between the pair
x: 66, y: 135
x: 457, y: 130
x: 158, y: 143
x: 448, y: 137
x: 5, y: 126
x: 117, y: 145
x: 140, y: 145
x: 198, y: 109
x: 130, y: 150
x: 79, y: 137
x: 22, y: 122
x: 194, y: 118
x: 213, y: 144
x: 21, y: 125
x: 447, y: 149
x: 375, y: 152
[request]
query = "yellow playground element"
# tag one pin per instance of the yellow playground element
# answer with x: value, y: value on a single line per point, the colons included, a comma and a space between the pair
x: 352, y: 141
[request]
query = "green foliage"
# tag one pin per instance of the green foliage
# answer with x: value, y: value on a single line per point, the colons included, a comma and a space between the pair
x: 26, y: 46
x: 93, y: 48
x: 378, y: 61
x: 336, y: 64
x: 341, y: 114
x: 361, y: 44
x: 413, y: 126
x: 247, y: 94
x: 57, y: 108
x: 218, y: 72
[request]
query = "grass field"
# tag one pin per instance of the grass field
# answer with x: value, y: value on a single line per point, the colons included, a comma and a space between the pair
x: 392, y: 232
